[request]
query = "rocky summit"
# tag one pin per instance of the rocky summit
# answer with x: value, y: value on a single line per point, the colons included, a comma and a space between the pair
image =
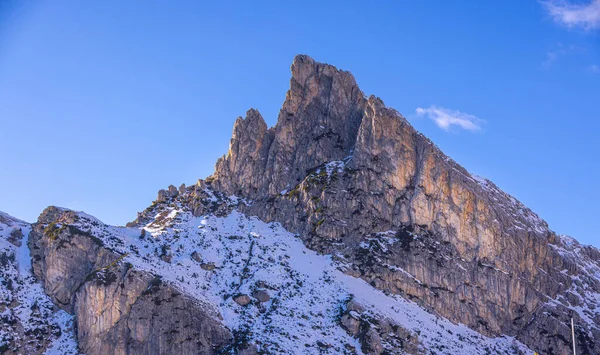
x: 340, y: 230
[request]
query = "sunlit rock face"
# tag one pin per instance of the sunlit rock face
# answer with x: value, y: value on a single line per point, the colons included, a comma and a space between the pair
x: 318, y: 123
x: 340, y: 169
x: 340, y: 230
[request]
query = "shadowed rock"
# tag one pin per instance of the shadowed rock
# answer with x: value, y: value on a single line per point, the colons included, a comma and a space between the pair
x: 118, y: 309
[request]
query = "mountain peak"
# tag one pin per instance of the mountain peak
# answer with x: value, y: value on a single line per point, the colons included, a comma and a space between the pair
x: 318, y: 123
x: 339, y: 167
x: 304, y: 67
x: 7, y: 219
x: 403, y: 229
x: 322, y: 89
x: 253, y: 121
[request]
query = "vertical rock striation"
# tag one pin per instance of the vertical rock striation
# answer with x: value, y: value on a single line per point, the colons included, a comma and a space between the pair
x: 318, y: 123
x: 354, y: 180
x: 118, y: 309
x: 342, y: 170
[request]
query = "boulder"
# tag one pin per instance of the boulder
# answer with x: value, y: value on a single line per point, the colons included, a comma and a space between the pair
x: 242, y: 299
x: 207, y: 266
x: 261, y: 295
x: 197, y: 257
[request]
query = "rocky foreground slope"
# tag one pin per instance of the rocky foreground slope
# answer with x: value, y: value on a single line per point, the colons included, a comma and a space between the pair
x: 339, y: 230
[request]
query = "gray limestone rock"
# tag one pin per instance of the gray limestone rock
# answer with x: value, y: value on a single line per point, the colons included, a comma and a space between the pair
x: 208, y: 266
x: 242, y: 300
x: 355, y: 180
x: 197, y: 257
x: 318, y: 123
x: 342, y: 170
x: 118, y: 309
x: 261, y: 295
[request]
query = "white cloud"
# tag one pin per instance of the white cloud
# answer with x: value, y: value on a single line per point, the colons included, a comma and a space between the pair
x: 575, y: 15
x: 446, y: 118
x: 594, y: 68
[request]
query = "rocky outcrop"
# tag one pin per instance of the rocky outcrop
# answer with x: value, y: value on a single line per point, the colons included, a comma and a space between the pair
x: 63, y: 256
x: 28, y: 319
x: 317, y: 123
x: 373, y: 333
x: 131, y: 312
x: 261, y: 295
x: 118, y: 309
x: 354, y: 178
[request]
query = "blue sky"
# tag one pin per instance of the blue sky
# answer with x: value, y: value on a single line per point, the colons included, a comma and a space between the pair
x: 103, y: 103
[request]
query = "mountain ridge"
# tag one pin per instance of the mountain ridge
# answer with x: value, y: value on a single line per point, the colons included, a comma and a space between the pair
x: 366, y: 198
x: 393, y: 175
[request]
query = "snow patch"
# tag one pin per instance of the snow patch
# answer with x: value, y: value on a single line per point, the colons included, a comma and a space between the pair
x: 307, y: 291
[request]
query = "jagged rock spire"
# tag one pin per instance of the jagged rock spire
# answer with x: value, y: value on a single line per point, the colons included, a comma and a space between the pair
x: 397, y: 180
x: 318, y: 122
x: 242, y: 169
x: 398, y: 213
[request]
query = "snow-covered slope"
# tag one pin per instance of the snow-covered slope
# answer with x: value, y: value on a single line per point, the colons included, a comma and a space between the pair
x: 30, y: 323
x: 262, y: 283
x: 580, y: 298
x: 311, y: 307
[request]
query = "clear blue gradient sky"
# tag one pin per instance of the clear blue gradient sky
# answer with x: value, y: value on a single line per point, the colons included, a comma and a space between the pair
x: 102, y: 103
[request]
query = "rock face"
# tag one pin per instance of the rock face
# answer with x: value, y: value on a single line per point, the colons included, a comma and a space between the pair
x: 317, y: 123
x: 194, y: 274
x: 354, y: 178
x: 361, y: 326
x: 119, y: 310
x: 29, y: 322
x: 64, y: 256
